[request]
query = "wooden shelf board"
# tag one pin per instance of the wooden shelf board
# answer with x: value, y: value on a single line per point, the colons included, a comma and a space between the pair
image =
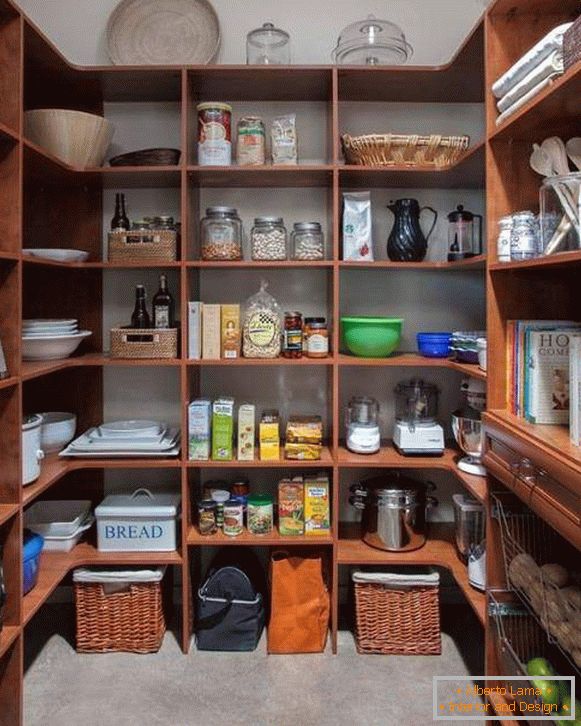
x: 414, y: 360
x: 7, y: 511
x: 54, y: 566
x: 469, y: 369
x: 258, y: 362
x: 301, y: 175
x: 438, y: 551
x: 9, y: 256
x: 326, y: 460
x: 257, y: 264
x: 562, y: 259
x: 9, y: 382
x: 8, y: 134
x: 510, y: 7
x: 556, y: 107
x: 466, y: 173
x: 29, y: 260
x: 274, y: 539
x: 36, y: 369
x: 473, y: 263
x: 8, y: 636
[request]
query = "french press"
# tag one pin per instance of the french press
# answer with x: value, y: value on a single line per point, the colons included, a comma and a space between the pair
x: 464, y: 234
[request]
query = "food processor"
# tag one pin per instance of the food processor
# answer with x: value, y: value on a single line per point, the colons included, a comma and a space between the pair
x: 417, y: 433
x: 363, y: 436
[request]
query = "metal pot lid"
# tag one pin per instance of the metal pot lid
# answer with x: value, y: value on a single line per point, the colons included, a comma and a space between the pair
x: 372, y: 42
x: 394, y: 484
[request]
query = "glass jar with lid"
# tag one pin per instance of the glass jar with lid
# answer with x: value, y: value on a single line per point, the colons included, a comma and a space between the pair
x: 164, y: 221
x: 221, y: 234
x: 268, y: 45
x: 372, y: 42
x: 268, y: 239
x: 307, y: 241
x: 524, y: 236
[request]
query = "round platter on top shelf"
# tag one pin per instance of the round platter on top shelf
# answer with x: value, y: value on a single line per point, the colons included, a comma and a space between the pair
x: 163, y: 32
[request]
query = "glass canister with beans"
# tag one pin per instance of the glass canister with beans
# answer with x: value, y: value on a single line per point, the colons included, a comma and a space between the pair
x: 269, y: 239
x: 221, y: 234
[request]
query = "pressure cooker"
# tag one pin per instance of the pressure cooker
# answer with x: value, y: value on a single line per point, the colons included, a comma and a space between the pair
x: 393, y: 511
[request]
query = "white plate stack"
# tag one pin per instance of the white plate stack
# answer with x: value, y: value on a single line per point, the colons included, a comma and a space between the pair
x: 51, y: 338
x: 126, y: 438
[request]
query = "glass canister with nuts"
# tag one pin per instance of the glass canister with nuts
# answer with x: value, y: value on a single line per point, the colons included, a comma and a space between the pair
x: 221, y: 234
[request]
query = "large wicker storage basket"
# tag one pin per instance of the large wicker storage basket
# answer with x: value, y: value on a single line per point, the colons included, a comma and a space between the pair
x: 410, y: 150
x: 144, y: 343
x: 158, y: 245
x: 131, y: 620
x: 396, y: 614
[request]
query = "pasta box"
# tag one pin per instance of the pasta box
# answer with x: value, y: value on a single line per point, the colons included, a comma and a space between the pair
x: 138, y: 522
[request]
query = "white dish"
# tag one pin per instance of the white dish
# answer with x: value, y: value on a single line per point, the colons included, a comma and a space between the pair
x: 66, y: 544
x: 48, y: 334
x: 58, y: 255
x: 57, y: 518
x: 130, y: 427
x: 174, y: 451
x: 52, y: 348
x: 87, y: 444
x: 44, y: 322
x: 57, y: 430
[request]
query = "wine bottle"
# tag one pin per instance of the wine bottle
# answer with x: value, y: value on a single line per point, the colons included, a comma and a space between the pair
x: 120, y: 221
x: 163, y: 306
x: 140, y: 317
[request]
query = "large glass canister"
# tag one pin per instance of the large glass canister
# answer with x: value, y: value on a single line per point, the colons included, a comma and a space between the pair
x: 416, y: 403
x: 221, y: 234
x: 268, y: 46
x: 560, y: 202
x: 268, y: 239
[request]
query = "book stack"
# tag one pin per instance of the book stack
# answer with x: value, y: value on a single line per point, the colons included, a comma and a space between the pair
x: 538, y: 369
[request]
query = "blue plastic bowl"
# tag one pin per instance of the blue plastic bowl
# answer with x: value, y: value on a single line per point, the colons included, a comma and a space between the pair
x: 434, y: 345
x: 33, y: 544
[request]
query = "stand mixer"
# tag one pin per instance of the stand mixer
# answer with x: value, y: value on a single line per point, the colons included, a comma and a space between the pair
x: 467, y: 427
x: 417, y: 433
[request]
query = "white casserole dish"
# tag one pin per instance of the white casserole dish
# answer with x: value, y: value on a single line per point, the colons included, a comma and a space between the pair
x: 58, y: 518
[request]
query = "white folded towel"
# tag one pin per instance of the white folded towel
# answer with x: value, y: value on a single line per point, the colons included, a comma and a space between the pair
x: 394, y: 579
x: 551, y: 67
x: 552, y: 41
x: 523, y: 100
x: 83, y: 574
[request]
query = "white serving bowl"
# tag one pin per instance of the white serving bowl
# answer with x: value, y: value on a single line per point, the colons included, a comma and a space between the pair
x: 57, y: 430
x: 482, y: 350
x: 52, y: 348
x: 58, y: 255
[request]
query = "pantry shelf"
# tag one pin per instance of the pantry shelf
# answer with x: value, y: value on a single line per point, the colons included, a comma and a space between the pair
x: 37, y: 369
x: 259, y: 362
x: 473, y: 263
x: 257, y: 264
x: 301, y: 175
x: 438, y: 551
x: 8, y: 133
x: 562, y: 259
x: 29, y: 260
x: 7, y: 511
x: 274, y: 539
x: 9, y: 382
x: 7, y: 637
x: 326, y: 460
x: 413, y: 360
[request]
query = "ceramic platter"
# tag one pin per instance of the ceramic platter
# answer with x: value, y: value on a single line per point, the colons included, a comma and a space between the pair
x: 163, y: 32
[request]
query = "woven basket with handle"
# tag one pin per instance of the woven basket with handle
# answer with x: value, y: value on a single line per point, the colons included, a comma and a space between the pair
x: 404, y: 150
x: 159, y: 245
x: 144, y: 343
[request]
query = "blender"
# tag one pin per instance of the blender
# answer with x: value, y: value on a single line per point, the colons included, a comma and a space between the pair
x: 363, y: 435
x: 417, y: 433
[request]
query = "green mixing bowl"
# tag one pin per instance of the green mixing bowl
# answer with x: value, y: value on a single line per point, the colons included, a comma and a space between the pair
x: 371, y: 337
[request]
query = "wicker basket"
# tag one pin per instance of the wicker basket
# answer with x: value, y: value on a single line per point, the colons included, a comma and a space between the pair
x: 131, y: 620
x: 146, y: 343
x: 157, y: 245
x: 572, y: 44
x: 397, y: 620
x: 148, y: 157
x: 404, y: 150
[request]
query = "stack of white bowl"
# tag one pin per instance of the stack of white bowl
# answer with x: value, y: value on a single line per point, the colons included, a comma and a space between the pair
x: 51, y: 339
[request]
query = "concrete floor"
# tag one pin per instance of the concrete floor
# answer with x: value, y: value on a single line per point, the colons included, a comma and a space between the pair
x: 242, y: 689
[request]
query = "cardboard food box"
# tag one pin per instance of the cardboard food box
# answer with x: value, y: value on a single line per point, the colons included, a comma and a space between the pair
x: 291, y: 514
x: 223, y: 429
x: 317, y: 508
x: 246, y: 432
x: 230, y: 335
x: 211, y: 332
x: 195, y: 330
x: 199, y: 427
x: 269, y: 436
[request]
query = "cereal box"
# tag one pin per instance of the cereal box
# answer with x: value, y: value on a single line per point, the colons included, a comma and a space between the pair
x: 317, y: 508
x: 222, y: 429
x: 230, y: 331
x: 291, y: 515
x: 199, y: 429
x: 246, y: 418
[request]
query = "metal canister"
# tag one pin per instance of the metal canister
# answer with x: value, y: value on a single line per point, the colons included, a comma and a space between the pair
x: 524, y: 236
x: 503, y: 241
x: 233, y: 517
x: 207, y: 523
x: 214, y: 134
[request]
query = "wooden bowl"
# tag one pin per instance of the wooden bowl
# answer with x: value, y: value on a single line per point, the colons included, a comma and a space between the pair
x: 79, y: 139
x: 148, y: 157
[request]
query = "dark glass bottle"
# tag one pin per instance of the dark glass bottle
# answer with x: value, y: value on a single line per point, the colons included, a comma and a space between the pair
x: 163, y: 306
x: 140, y: 317
x: 120, y: 220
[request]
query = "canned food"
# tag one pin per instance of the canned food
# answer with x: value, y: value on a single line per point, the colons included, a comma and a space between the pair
x: 214, y: 134
x: 233, y: 518
x: 260, y: 514
x: 207, y: 517
x: 220, y: 496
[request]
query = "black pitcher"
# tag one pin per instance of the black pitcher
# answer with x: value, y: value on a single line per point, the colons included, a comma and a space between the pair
x: 407, y: 242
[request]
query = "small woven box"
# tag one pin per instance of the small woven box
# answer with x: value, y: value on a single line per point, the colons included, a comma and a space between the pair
x: 144, y: 343
x: 397, y: 614
x: 157, y: 245
x: 572, y: 44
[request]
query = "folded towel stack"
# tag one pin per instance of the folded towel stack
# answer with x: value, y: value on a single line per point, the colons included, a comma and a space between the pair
x: 531, y: 73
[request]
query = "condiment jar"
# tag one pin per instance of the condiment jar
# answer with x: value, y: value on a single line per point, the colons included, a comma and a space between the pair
x: 292, y: 346
x: 221, y: 234
x: 307, y: 241
x: 316, y: 338
x: 233, y: 517
x: 503, y: 242
x: 260, y: 514
x: 269, y: 239
x: 524, y: 236
x: 207, y: 517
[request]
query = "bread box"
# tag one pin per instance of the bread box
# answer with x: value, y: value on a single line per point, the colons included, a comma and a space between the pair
x: 138, y: 522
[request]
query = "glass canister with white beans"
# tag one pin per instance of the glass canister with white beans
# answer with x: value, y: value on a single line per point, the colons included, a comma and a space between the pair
x: 269, y: 239
x: 307, y: 241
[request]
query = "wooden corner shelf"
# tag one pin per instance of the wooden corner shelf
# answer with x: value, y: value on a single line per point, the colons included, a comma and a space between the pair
x: 260, y: 362
x: 561, y: 259
x: 8, y: 636
x: 325, y: 461
x: 274, y: 539
x: 7, y: 511
x: 260, y: 264
x: 37, y: 369
x: 413, y: 360
x: 438, y: 551
x: 473, y: 263
x: 300, y: 175
x: 93, y: 265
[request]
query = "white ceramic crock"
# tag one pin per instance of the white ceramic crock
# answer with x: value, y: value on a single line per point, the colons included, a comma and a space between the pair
x: 32, y: 454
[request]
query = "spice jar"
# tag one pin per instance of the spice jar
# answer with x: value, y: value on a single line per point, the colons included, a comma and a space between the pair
x: 293, y: 336
x: 233, y: 518
x: 503, y: 242
x: 269, y: 239
x: 260, y: 514
x: 316, y: 338
x: 207, y: 517
x: 221, y: 234
x: 307, y: 241
x: 250, y: 141
x: 524, y: 236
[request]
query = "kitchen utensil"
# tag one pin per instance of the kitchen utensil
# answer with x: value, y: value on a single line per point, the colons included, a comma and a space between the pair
x: 549, y: 160
x: 52, y: 347
x: 416, y: 429
x: 464, y: 234
x: 371, y: 337
x: 148, y: 157
x: 57, y: 518
x: 58, y: 255
x: 32, y: 454
x: 77, y: 138
x: 434, y: 345
x: 362, y: 420
x: 556, y: 152
x: 560, y: 198
x: 393, y: 510
x: 57, y: 429
x: 268, y: 45
x: 469, y: 435
x: 372, y: 42
x: 406, y: 242
x: 470, y: 523
x: 573, y: 148
x: 163, y: 32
